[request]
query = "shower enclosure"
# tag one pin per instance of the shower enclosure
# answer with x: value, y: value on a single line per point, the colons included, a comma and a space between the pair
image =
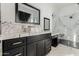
x: 67, y: 23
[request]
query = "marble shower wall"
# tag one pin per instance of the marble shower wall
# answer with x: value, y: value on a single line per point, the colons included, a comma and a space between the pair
x: 65, y: 24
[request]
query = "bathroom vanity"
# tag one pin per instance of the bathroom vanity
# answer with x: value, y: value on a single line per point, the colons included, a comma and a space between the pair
x: 35, y: 45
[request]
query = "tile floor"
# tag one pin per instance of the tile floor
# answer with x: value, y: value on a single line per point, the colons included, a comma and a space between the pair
x: 62, y: 50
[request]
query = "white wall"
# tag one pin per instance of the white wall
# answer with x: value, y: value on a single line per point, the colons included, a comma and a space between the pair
x: 47, y: 10
x: 11, y: 29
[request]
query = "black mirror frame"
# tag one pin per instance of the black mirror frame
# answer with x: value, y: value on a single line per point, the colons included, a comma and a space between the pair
x: 45, y: 25
x: 16, y: 12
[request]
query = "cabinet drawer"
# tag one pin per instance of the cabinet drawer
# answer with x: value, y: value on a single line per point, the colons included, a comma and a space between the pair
x: 45, y: 36
x: 32, y: 39
x: 14, y: 52
x: 13, y: 43
x: 48, y: 41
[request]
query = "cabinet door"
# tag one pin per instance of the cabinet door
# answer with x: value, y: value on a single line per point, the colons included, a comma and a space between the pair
x: 31, y: 49
x: 40, y: 48
x: 47, y: 45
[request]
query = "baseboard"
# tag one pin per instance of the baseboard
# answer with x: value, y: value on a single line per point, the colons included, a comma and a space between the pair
x: 69, y: 43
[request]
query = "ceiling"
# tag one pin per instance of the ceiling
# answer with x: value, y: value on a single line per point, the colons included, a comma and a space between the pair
x: 61, y: 5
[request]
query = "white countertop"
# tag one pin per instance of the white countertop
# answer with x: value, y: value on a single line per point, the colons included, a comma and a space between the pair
x: 32, y: 34
x: 55, y: 34
x: 4, y: 37
x: 59, y: 35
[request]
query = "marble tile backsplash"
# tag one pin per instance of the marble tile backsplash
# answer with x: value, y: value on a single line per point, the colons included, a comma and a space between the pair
x: 12, y: 30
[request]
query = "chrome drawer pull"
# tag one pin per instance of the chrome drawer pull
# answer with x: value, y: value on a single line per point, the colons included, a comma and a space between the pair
x: 18, y: 54
x: 6, y: 53
x: 16, y: 43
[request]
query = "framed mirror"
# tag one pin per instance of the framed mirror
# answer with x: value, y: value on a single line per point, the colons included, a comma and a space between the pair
x: 46, y: 23
x: 26, y: 13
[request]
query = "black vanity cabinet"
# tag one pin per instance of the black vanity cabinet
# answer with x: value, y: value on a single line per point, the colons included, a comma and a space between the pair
x: 38, y: 45
x: 14, y: 47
